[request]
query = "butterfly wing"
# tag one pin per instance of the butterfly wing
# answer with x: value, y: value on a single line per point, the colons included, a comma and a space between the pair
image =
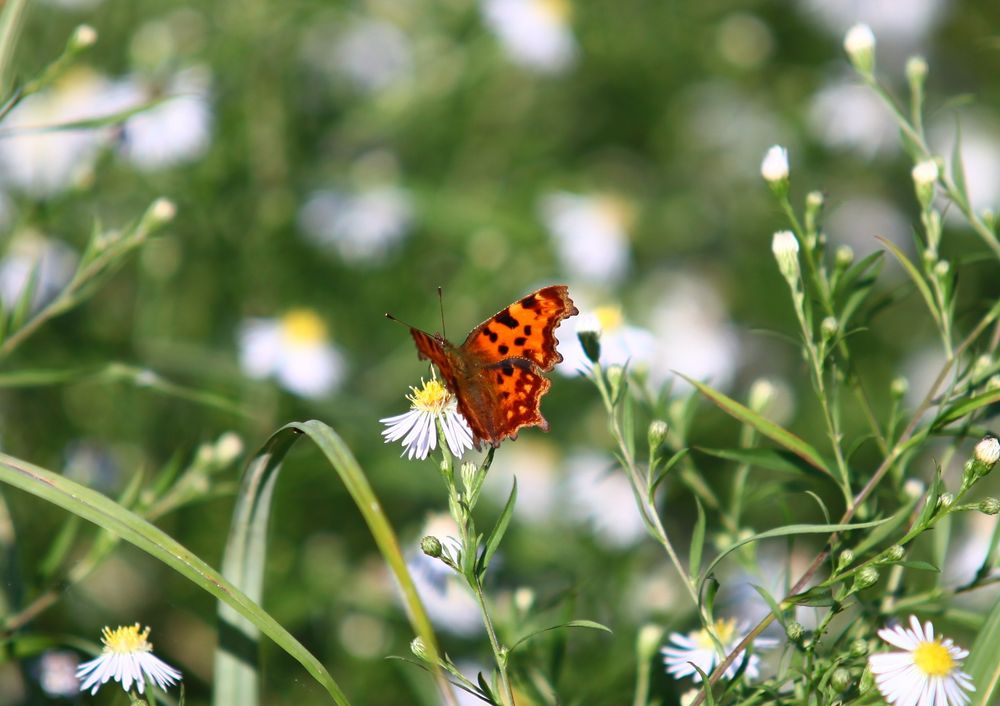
x: 514, y: 387
x: 525, y: 329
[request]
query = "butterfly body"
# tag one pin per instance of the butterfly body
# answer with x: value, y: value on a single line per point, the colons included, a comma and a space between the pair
x: 496, y: 374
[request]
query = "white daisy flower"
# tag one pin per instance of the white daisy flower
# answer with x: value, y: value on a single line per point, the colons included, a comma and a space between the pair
x: 418, y: 428
x: 927, y: 672
x: 295, y: 349
x: 175, y: 131
x: 697, y: 647
x: 601, y: 498
x: 535, y: 33
x: 361, y: 226
x: 621, y: 343
x: 590, y: 234
x: 127, y: 658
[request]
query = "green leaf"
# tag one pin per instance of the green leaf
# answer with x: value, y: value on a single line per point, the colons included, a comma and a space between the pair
x: 915, y: 275
x: 982, y: 664
x: 791, y: 530
x: 763, y: 425
x: 102, y: 511
x: 771, y: 459
x: 958, y: 167
x: 10, y: 27
x: 697, y: 540
x: 706, y: 687
x: 919, y: 566
x: 965, y: 407
x: 883, y: 532
x: 770, y: 600
x: 667, y: 467
x: 590, y: 624
x: 498, y: 531
x: 246, y: 546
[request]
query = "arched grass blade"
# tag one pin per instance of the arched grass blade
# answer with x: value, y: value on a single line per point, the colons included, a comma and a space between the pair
x: 104, y: 512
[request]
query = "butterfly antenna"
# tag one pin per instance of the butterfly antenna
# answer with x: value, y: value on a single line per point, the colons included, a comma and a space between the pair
x: 441, y: 307
x: 398, y: 321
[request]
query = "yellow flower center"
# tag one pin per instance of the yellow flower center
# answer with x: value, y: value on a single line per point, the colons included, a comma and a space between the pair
x: 558, y: 10
x: 609, y: 317
x: 126, y: 639
x: 933, y: 659
x: 431, y: 397
x: 724, y: 630
x: 303, y: 327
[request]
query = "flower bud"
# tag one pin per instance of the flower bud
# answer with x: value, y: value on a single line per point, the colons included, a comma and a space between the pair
x: 845, y: 559
x: 162, y: 211
x: 590, y: 340
x: 913, y: 488
x: 814, y: 200
x: 867, y: 681
x: 893, y: 554
x: 828, y: 327
x: 859, y: 43
x: 865, y: 578
x: 795, y: 631
x: 844, y: 257
x: 84, y: 36
x: 657, y: 433
x: 616, y: 376
x: 228, y: 448
x: 993, y: 383
x: 431, y: 546
x: 925, y: 176
x: 989, y: 506
x: 419, y: 649
x: 786, y: 252
x: 987, y: 451
x: 899, y: 387
x: 942, y: 268
x: 916, y: 70
x: 945, y: 500
x: 774, y: 169
x: 469, y: 471
x: 859, y: 648
x: 841, y: 679
x: 524, y: 599
x: 761, y: 394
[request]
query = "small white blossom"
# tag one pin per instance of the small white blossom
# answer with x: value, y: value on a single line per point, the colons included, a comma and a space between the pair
x: 535, y: 33
x: 295, y: 349
x: 859, y: 43
x: 360, y: 226
x: 926, y: 672
x: 925, y: 173
x: 429, y: 404
x: 987, y: 451
x: 57, y: 673
x: 127, y: 658
x: 698, y: 647
x: 786, y: 251
x: 590, y: 234
x: 775, y: 164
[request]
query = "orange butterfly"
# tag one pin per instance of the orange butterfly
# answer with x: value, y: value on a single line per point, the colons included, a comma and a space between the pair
x: 496, y: 375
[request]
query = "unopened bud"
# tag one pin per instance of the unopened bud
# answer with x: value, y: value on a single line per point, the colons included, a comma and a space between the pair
x: 987, y: 451
x: 945, y: 500
x: 657, y: 433
x: 989, y: 506
x: 925, y: 176
x: 786, y: 252
x: 761, y: 394
x: 844, y: 256
x: 845, y: 559
x: 913, y: 488
x: 828, y: 327
x: 228, y: 448
x: 942, y: 268
x: 859, y: 43
x: 84, y: 36
x: 524, y: 599
x: 795, y: 631
x: 841, y: 679
x: 431, y: 546
x: 865, y: 578
x: 859, y: 648
x: 162, y: 211
x: 419, y: 649
x: 616, y: 376
x: 916, y: 70
x: 590, y: 340
x: 774, y: 169
x: 899, y: 387
x: 469, y: 471
x: 893, y: 554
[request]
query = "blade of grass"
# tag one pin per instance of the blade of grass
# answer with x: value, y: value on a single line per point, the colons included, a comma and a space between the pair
x: 104, y: 512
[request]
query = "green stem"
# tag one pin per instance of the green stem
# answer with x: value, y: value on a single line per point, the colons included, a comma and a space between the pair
x: 10, y: 28
x: 499, y: 652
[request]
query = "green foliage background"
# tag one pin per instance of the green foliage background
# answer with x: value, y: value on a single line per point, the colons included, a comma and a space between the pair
x: 478, y: 141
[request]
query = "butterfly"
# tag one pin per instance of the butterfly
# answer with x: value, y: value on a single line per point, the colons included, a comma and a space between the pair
x: 496, y: 374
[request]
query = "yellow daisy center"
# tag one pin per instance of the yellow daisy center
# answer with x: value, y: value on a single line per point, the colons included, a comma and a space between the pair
x: 431, y: 397
x: 125, y: 639
x: 724, y: 630
x: 609, y: 317
x: 933, y: 659
x: 302, y: 327
x: 558, y: 10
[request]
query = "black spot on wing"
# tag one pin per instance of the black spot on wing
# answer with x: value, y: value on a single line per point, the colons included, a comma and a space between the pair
x: 506, y: 319
x: 503, y: 349
x: 530, y: 302
x: 507, y: 370
x: 520, y: 341
x: 527, y: 330
x: 492, y: 335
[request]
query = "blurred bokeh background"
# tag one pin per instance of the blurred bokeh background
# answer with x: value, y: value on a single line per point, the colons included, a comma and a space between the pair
x: 332, y: 161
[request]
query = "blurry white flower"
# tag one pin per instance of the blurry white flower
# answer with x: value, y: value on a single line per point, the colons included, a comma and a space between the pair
x: 590, y: 233
x: 449, y: 603
x: 896, y: 30
x: 621, y: 343
x: 417, y: 428
x: 697, y: 647
x: 927, y: 672
x: 694, y: 335
x: 925, y: 173
x: 599, y: 495
x: 980, y: 138
x: 775, y: 164
x: 128, y: 657
x: 363, y: 226
x: 295, y: 349
x: 744, y: 40
x: 41, y: 164
x: 54, y: 261
x: 91, y: 464
x: 57, y: 673
x: 535, y: 33
x: 174, y: 131
x: 535, y: 464
x: 846, y: 115
x: 371, y: 53
x: 856, y: 220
